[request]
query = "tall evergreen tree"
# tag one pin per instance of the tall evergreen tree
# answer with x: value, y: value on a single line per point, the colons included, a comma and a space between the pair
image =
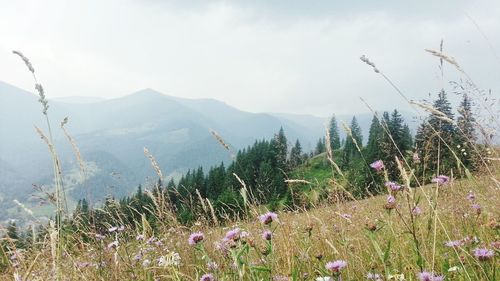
x: 353, y: 141
x: 376, y: 133
x: 296, y: 155
x: 437, y: 137
x: 320, y: 146
x: 466, y: 132
x: 333, y: 130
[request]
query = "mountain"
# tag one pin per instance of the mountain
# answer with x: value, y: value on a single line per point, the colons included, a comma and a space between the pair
x: 112, y: 133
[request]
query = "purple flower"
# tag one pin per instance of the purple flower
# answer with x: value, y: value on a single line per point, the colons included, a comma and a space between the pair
x: 83, y: 264
x: 207, y: 277
x: 138, y: 256
x: 336, y: 266
x: 195, y: 238
x: 377, y: 165
x: 416, y: 211
x: 346, y: 216
x: 393, y: 186
x: 429, y: 276
x: 483, y: 254
x: 476, y: 208
x: 280, y: 278
x: 139, y: 237
x: 471, y: 196
x: 267, y: 235
x: 454, y: 244
x: 233, y: 234
x: 441, y: 180
x: 390, y: 203
x: 268, y: 217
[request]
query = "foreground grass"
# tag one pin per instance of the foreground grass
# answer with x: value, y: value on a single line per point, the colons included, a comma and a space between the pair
x: 365, y: 234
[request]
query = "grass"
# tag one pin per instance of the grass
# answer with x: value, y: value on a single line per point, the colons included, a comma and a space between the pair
x: 449, y: 230
x: 369, y: 237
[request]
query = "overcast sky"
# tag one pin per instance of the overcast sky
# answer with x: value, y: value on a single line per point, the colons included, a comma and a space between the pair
x: 278, y: 56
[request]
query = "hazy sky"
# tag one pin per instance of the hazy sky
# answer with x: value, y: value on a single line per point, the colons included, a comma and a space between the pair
x: 286, y: 56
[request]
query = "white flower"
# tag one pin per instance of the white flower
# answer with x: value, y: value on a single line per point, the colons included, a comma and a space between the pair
x: 398, y: 277
x: 146, y: 263
x: 324, y: 279
x: 172, y: 259
x: 453, y: 269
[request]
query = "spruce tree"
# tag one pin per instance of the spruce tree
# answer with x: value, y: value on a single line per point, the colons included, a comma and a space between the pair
x: 296, y: 155
x: 355, y: 137
x: 376, y: 132
x: 437, y: 137
x: 466, y: 132
x: 320, y: 146
x: 333, y: 130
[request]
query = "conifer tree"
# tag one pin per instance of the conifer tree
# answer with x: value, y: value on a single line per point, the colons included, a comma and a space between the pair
x: 333, y: 130
x: 466, y: 132
x: 376, y: 132
x: 296, y: 155
x: 436, y: 138
x: 355, y: 137
x: 320, y: 146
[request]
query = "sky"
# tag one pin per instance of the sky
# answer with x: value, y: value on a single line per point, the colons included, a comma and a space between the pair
x: 260, y: 56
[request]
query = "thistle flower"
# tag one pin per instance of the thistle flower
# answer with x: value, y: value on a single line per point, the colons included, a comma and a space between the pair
x: 268, y: 217
x: 483, y: 254
x: 390, y: 202
x: 336, y: 266
x: 207, y: 277
x: 233, y: 234
x: 429, y: 276
x: 454, y: 244
x: 471, y: 196
x: 441, y: 180
x: 393, y: 186
x: 477, y: 208
x: 377, y: 165
x: 267, y: 235
x: 416, y: 211
x: 346, y: 216
x: 195, y: 238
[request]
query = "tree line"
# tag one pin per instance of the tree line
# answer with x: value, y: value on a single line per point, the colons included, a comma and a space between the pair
x: 258, y: 173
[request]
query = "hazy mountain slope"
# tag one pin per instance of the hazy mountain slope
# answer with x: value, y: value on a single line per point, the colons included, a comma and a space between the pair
x: 111, y: 135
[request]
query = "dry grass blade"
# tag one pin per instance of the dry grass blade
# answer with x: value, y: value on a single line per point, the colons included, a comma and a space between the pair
x: 154, y: 164
x: 444, y: 57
